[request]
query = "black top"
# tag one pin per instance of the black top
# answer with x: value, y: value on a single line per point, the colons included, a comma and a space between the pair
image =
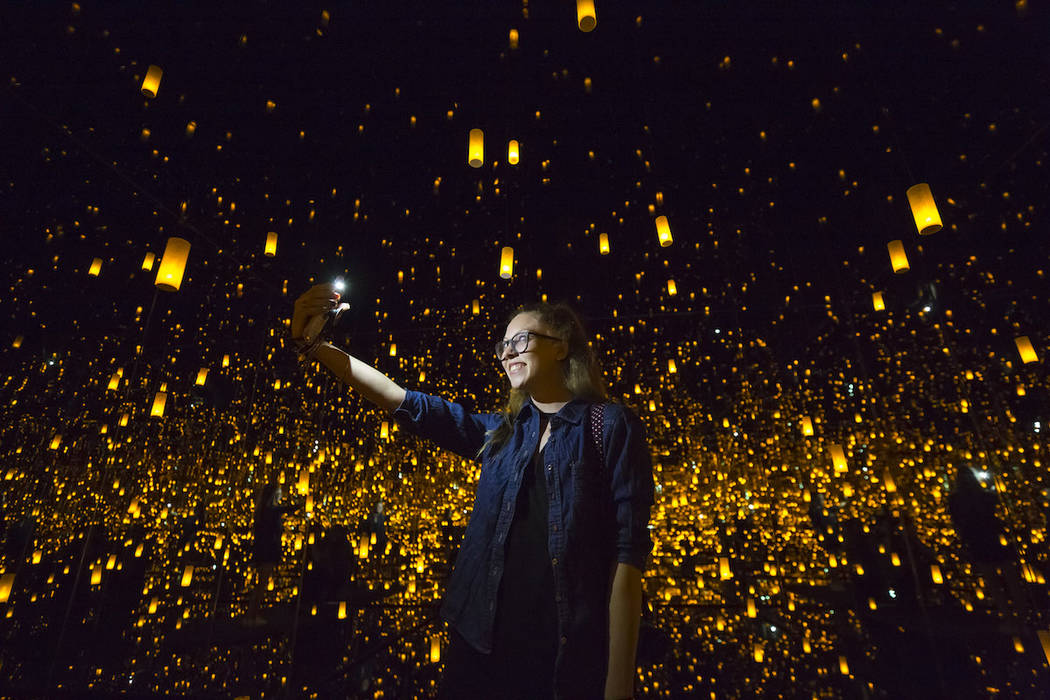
x: 526, y: 617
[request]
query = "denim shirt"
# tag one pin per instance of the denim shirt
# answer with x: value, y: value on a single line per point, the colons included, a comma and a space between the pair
x: 588, y: 532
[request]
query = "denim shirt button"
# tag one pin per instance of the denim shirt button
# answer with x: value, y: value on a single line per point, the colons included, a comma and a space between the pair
x: 554, y: 561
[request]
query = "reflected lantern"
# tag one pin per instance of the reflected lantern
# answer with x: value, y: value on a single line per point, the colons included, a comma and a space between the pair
x: 173, y: 264
x: 159, y: 400
x: 1024, y: 347
x: 603, y: 244
x: 924, y: 209
x: 187, y: 575
x: 271, y: 244
x: 512, y: 152
x: 663, y: 231
x: 506, y: 263
x: 898, y: 258
x: 838, y: 457
x: 476, y: 148
x: 96, y: 267
x: 585, y: 16
x: 876, y: 301
x: 202, y: 376
x: 151, y: 83
x: 435, y: 648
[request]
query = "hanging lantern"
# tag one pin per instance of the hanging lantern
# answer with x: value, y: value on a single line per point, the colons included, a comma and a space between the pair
x: 225, y: 360
x: 1024, y: 347
x: 513, y: 38
x: 96, y: 575
x: 876, y: 301
x: 384, y: 430
x: 1044, y: 639
x: 512, y: 152
x: 187, y: 575
x: 304, y: 482
x: 924, y: 209
x: 147, y: 262
x: 18, y: 342
x: 935, y: 574
x: 889, y: 483
x: 173, y: 264
x: 55, y: 442
x: 838, y: 457
x: 506, y: 263
x: 585, y: 16
x: 603, y: 244
x: 760, y: 652
x: 724, y: 573
x: 114, y: 382
x: 898, y: 258
x: 96, y: 267
x: 672, y: 288
x: 435, y: 648
x: 7, y: 582
x: 843, y: 666
x: 752, y: 611
x: 158, y: 404
x: 663, y: 231
x: 807, y: 425
x: 475, y: 307
x: 202, y: 376
x: 671, y: 368
x: 151, y: 83
x: 476, y: 149
x: 342, y: 610
x: 123, y: 420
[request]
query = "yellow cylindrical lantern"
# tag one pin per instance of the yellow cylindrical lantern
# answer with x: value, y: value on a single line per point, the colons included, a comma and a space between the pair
x: 225, y: 360
x: 724, y: 572
x: 475, y: 307
x: 435, y: 648
x: 7, y: 582
x: 760, y: 652
x: 924, y: 209
x: 838, y: 457
x: 672, y: 288
x: 807, y: 425
x: 876, y: 301
x: 513, y: 39
x: 202, y: 376
x: 159, y: 400
x: 173, y: 264
x: 585, y: 16
x: 55, y: 442
x: 1024, y: 347
x: 384, y: 430
x: 506, y: 263
x: 342, y: 610
x: 671, y: 367
x: 114, y: 382
x: 512, y: 152
x: 271, y: 244
x: 187, y: 575
x: 96, y: 575
x: 663, y: 231
x: 18, y: 342
x: 304, y: 482
x: 935, y: 574
x: 96, y: 267
x: 898, y: 258
x: 891, y: 485
x: 843, y: 666
x: 147, y: 262
x: 476, y: 148
x: 151, y: 83
x: 752, y: 611
x: 603, y: 244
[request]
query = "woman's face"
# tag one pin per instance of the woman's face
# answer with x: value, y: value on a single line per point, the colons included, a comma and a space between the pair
x: 540, y: 363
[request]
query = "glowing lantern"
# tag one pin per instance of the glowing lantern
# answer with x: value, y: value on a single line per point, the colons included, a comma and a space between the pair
x: 96, y: 575
x: 173, y: 264
x: 225, y: 360
x: 153, y: 602
x: 147, y: 262
x: 838, y: 457
x: 55, y: 442
x: 506, y: 263
x: 476, y: 148
x: 475, y: 307
x: 1018, y: 645
x: 123, y: 420
x: 513, y: 39
x: 752, y: 611
x: 151, y: 83
x: 218, y: 543
x: 304, y: 482
x: 891, y: 485
x: 114, y: 382
x: 187, y: 576
x: 807, y: 425
x: 271, y: 244
x: 512, y: 152
x: 603, y: 244
x: 342, y: 610
x: 935, y: 574
x: 663, y: 231
x: 585, y: 16
x: 724, y: 572
x: 898, y: 258
x: 96, y: 267
x: 1024, y: 347
x: 843, y: 666
x: 159, y: 400
x: 384, y: 430
x: 202, y: 376
x: 37, y: 556
x: 671, y: 367
x: 435, y: 648
x: 1044, y: 639
x: 924, y: 209
x: 672, y: 288
x: 310, y: 503
x: 18, y: 342
x: 7, y: 582
x: 876, y: 301
x: 760, y: 652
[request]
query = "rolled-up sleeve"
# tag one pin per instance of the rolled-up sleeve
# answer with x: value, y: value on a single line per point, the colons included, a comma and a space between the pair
x: 446, y: 423
x: 633, y: 489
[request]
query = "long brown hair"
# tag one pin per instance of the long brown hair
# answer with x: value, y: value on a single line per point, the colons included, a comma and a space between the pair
x: 580, y: 369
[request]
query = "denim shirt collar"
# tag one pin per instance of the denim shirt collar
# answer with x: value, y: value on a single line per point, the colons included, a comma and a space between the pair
x: 572, y: 412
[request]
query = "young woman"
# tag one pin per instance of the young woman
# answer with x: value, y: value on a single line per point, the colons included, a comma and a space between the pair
x: 544, y: 600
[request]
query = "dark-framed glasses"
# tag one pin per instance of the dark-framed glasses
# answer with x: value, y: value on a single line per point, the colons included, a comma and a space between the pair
x: 518, y: 341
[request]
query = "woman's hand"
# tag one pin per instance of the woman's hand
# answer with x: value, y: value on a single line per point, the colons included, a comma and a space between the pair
x: 317, y: 300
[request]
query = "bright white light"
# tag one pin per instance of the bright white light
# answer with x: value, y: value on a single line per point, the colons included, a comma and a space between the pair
x: 926, y: 309
x: 982, y: 475
x: 339, y: 284
x: 893, y: 593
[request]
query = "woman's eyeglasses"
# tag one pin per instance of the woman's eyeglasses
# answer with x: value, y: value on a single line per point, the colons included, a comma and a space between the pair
x: 519, y: 341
